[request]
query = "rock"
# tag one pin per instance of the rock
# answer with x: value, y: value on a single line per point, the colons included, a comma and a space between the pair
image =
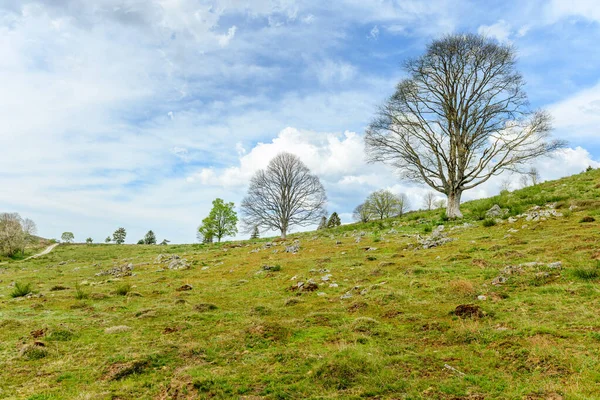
x: 437, y: 238
x: 495, y: 212
x: 499, y: 280
x: 555, y: 265
x: 481, y: 297
x: 118, y: 272
x: 347, y: 295
x: 184, y: 288
x: 333, y: 285
x: 326, y: 278
x: 468, y: 311
x: 357, y: 240
x: 117, y: 329
x: 321, y: 294
x: 512, y: 220
x: 292, y: 249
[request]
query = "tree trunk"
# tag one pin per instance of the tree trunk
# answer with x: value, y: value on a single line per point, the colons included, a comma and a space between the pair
x: 453, y: 206
x: 283, y: 234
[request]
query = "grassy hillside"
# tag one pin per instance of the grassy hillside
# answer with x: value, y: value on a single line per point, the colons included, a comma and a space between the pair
x: 376, y: 317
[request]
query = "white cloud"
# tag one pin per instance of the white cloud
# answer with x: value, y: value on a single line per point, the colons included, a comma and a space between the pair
x: 374, y: 33
x: 578, y: 116
x: 225, y: 39
x: 587, y: 9
x: 501, y: 30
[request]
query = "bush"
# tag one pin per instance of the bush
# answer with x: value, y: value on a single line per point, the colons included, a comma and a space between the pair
x: 80, y: 294
x: 61, y: 335
x: 123, y: 289
x: 587, y: 219
x: 21, y: 290
x: 587, y: 273
x: 488, y: 222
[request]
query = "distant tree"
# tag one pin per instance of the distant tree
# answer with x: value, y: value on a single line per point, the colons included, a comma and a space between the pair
x: 29, y: 229
x: 222, y: 220
x: 589, y: 168
x: 67, y: 237
x: 141, y: 241
x: 119, y: 236
x: 322, y: 223
x: 440, y: 203
x: 89, y: 240
x: 460, y: 117
x: 383, y: 204
x: 150, y: 238
x: 164, y: 242
x: 403, y: 204
x: 534, y: 176
x: 505, y: 185
x: 428, y: 200
x: 107, y: 240
x: 334, y: 220
x: 283, y: 195
x: 205, y: 234
x: 362, y: 213
x: 524, y: 181
x: 255, y: 233
x: 12, y: 237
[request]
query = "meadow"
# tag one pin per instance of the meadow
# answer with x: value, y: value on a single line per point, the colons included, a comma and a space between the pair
x: 359, y: 311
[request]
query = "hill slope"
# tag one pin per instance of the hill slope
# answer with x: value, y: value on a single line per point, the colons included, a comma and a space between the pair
x: 505, y: 311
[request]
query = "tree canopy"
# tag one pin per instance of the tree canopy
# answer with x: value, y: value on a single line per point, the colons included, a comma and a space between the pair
x: 459, y: 118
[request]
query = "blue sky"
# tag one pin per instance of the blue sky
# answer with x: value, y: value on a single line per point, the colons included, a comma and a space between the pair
x: 139, y: 113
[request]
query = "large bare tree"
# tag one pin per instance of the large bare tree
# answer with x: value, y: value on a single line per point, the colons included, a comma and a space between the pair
x: 461, y: 117
x: 283, y: 195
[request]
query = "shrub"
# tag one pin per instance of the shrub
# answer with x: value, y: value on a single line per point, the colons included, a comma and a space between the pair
x: 21, y: 290
x: 587, y: 219
x: 488, y: 222
x: 80, y: 294
x: 587, y: 273
x: 123, y: 289
x: 427, y: 229
x: 61, y: 335
x: 31, y: 352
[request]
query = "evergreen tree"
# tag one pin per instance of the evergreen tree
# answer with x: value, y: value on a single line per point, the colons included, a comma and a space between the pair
x: 119, y: 236
x: 334, y: 220
x: 255, y: 233
x: 150, y: 238
x: 323, y: 223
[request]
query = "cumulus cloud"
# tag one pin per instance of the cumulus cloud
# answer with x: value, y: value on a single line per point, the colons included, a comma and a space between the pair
x: 501, y: 30
x: 578, y: 116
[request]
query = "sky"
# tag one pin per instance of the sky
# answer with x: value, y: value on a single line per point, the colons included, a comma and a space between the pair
x: 138, y: 113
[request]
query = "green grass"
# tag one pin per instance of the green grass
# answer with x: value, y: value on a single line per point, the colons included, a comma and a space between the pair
x: 21, y: 289
x: 244, y: 331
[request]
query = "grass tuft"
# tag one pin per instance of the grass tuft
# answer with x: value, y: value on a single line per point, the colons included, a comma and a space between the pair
x: 21, y: 290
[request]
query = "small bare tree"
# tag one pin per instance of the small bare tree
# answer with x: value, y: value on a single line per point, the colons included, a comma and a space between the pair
x: 534, y: 175
x: 383, y: 204
x: 440, y: 203
x: 403, y: 204
x: 428, y: 200
x: 460, y: 118
x: 362, y: 213
x: 505, y: 185
x: 283, y: 195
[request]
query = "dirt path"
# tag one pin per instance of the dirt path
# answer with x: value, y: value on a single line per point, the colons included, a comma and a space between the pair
x: 46, y: 251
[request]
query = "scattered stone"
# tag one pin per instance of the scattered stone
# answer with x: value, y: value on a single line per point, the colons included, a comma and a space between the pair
x: 293, y: 248
x: 495, y: 212
x: 326, y: 278
x: 118, y: 272
x: 347, y: 295
x: 555, y: 265
x: 321, y: 294
x: 333, y: 285
x: 271, y: 268
x: 499, y: 280
x: 468, y: 311
x: 481, y: 297
x: 184, y: 288
x: 437, y: 238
